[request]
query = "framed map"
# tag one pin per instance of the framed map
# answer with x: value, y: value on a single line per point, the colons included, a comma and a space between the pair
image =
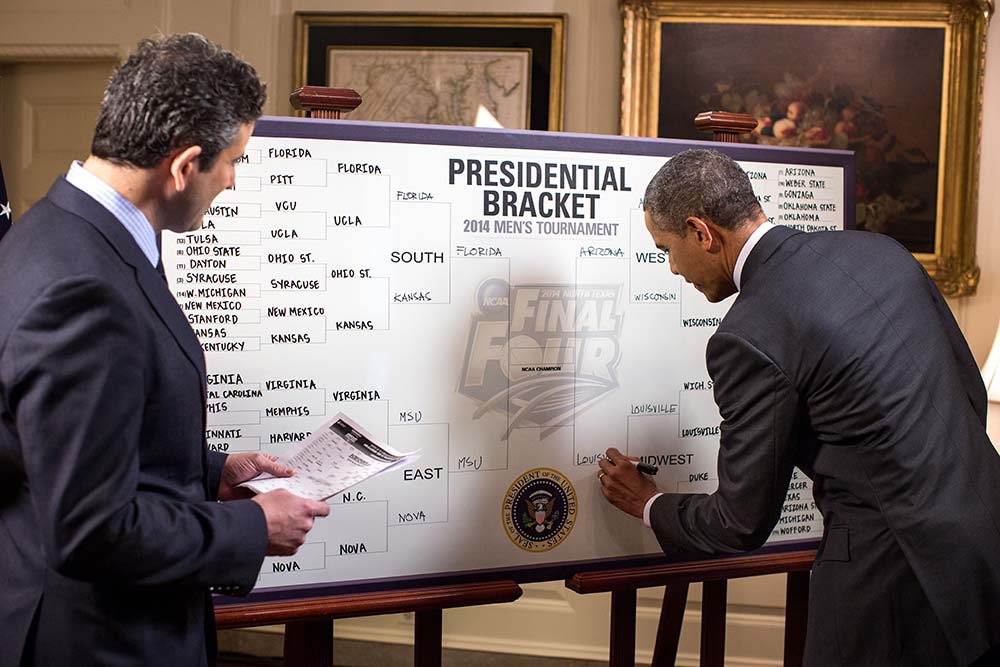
x: 496, y: 70
x: 439, y: 86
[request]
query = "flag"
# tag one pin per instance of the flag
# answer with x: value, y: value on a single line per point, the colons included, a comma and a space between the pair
x: 5, y: 214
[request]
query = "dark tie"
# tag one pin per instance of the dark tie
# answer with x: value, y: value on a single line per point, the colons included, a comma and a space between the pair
x: 159, y: 269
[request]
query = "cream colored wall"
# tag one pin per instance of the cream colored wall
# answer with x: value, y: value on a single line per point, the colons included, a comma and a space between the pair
x: 549, y: 620
x: 979, y: 315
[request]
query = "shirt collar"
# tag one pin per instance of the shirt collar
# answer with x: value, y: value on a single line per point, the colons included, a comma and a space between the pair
x: 132, y: 219
x: 764, y: 228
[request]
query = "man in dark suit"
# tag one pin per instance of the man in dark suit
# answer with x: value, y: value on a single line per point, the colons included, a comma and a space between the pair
x: 839, y: 356
x: 111, y: 533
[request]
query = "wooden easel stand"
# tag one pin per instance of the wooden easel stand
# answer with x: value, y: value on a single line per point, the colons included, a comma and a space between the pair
x: 622, y: 585
x: 309, y: 622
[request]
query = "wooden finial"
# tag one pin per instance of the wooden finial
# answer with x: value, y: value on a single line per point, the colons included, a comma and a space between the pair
x: 323, y: 102
x: 726, y: 126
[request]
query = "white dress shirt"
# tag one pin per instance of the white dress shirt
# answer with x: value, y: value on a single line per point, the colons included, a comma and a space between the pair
x: 134, y: 220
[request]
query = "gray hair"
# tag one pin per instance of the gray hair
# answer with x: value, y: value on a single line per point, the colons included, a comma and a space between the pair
x: 174, y: 92
x: 703, y: 183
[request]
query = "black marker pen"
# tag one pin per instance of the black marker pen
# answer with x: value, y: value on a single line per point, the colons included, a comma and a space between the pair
x: 647, y: 468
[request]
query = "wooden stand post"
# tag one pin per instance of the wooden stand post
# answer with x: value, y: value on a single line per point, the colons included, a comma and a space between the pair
x: 427, y: 635
x: 309, y: 644
x: 796, y: 617
x: 323, y: 102
x: 309, y: 622
x: 668, y: 635
x: 713, y: 623
x: 623, y: 628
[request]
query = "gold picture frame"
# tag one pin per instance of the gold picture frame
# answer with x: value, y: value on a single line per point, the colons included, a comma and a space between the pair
x: 672, y: 46
x: 509, y: 64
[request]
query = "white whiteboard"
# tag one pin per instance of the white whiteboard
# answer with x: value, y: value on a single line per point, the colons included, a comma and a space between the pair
x: 375, y: 271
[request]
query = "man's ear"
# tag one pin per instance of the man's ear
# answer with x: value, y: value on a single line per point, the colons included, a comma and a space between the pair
x: 182, y: 165
x: 704, y: 233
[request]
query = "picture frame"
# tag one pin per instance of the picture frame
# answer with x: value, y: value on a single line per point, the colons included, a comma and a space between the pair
x: 900, y: 82
x: 439, y: 68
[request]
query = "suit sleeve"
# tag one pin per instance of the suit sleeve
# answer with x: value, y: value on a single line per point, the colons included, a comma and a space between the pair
x: 216, y: 463
x: 74, y: 373
x: 970, y: 375
x: 759, y: 408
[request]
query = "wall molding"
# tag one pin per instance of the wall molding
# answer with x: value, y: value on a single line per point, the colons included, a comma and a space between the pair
x: 45, y: 52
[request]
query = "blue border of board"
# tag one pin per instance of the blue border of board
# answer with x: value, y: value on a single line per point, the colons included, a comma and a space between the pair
x: 405, y: 133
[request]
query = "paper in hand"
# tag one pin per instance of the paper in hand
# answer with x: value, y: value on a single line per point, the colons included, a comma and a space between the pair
x: 337, y: 456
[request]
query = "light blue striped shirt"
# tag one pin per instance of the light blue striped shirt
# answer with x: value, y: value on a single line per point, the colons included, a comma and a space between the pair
x: 134, y: 220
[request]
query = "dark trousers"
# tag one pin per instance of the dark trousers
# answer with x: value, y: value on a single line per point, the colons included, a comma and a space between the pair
x: 989, y: 659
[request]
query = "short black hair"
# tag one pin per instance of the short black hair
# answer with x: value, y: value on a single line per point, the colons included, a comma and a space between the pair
x: 174, y: 92
x: 703, y: 183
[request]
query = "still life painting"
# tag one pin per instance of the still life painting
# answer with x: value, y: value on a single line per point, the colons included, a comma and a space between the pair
x: 871, y: 89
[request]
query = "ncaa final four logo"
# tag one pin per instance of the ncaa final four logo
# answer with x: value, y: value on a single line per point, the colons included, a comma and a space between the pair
x: 542, y: 354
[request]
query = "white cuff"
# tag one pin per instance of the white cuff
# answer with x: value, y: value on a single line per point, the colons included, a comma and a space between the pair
x: 649, y: 506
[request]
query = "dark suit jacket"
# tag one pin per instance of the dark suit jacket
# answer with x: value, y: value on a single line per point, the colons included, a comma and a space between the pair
x: 840, y: 356
x: 110, y: 538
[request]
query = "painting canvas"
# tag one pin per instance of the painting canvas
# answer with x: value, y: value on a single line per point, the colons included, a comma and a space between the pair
x: 876, y: 90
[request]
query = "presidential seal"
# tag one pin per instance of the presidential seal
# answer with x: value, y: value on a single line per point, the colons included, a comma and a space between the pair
x: 539, y: 509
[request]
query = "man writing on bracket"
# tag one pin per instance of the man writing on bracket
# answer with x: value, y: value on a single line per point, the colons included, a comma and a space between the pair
x: 111, y: 538
x: 839, y: 356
